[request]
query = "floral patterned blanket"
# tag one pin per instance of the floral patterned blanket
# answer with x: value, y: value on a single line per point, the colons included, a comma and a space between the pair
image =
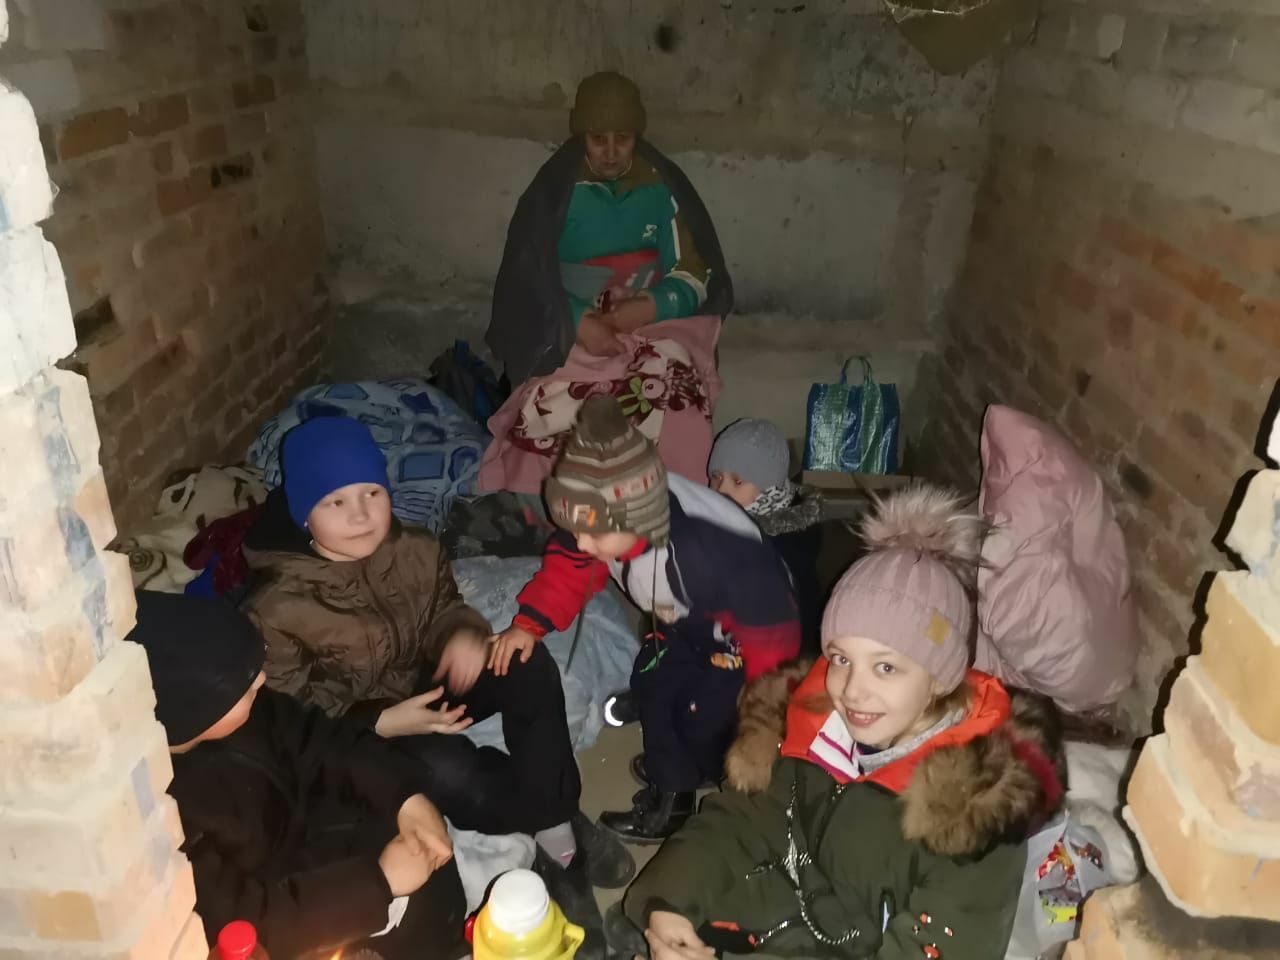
x: 666, y: 382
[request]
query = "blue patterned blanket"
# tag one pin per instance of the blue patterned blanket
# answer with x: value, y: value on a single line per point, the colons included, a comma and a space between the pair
x: 433, y: 449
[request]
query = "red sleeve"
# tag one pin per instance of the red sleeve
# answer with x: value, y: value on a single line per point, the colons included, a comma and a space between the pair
x: 764, y: 648
x: 561, y: 588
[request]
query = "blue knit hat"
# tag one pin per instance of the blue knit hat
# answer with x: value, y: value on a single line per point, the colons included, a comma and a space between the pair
x: 324, y: 454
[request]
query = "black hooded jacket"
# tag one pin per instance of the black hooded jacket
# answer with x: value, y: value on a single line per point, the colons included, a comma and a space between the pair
x: 531, y: 328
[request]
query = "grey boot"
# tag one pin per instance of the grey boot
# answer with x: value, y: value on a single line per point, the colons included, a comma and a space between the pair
x: 569, y: 887
x: 610, y: 865
x: 625, y: 939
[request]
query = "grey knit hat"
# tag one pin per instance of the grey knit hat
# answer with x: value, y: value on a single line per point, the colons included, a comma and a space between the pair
x: 914, y: 591
x: 755, y: 450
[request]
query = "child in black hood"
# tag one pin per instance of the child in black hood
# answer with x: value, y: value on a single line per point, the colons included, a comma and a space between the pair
x: 312, y: 829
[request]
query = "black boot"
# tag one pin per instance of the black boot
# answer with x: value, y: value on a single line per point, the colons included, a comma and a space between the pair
x: 641, y: 773
x: 609, y: 864
x: 570, y: 888
x: 625, y: 939
x: 620, y: 709
x: 655, y: 816
x: 639, y: 770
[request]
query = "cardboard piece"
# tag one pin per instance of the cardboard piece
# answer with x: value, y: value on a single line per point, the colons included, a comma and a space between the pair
x: 835, y: 484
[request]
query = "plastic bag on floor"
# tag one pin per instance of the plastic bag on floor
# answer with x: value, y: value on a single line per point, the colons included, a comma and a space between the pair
x: 481, y: 857
x: 601, y: 665
x: 1065, y: 863
x: 1081, y: 850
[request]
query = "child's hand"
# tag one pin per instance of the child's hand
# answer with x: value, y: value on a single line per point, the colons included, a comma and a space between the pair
x: 672, y: 937
x: 597, y: 336
x: 462, y: 662
x: 627, y: 316
x: 415, y: 715
x: 505, y: 646
x: 423, y: 829
x: 405, y: 870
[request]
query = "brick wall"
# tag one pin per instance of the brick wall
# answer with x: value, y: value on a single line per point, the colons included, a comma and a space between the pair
x: 1123, y: 278
x: 186, y: 218
x: 89, y: 866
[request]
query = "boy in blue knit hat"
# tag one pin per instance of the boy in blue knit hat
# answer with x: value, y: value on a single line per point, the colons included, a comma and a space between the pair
x: 362, y: 617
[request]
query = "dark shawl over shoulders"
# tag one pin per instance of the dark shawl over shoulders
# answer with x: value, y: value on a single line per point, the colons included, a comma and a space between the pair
x: 530, y: 328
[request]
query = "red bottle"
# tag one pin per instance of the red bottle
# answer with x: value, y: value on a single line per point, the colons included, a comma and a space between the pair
x: 238, y: 941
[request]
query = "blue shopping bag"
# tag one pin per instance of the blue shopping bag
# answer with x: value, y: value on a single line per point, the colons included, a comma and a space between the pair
x: 853, y: 428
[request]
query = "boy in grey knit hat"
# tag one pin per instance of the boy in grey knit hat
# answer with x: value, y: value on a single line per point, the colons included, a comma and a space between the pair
x: 751, y: 465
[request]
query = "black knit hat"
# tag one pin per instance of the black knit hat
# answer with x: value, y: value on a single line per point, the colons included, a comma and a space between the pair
x: 204, y: 656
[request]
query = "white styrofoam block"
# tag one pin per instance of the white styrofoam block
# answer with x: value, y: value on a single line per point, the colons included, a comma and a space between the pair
x: 1255, y: 533
x: 35, y: 317
x: 1227, y: 111
x: 1260, y: 596
x: 1110, y: 35
x: 26, y: 196
x: 50, y: 83
x: 4, y: 22
x: 1273, y: 445
x: 64, y: 25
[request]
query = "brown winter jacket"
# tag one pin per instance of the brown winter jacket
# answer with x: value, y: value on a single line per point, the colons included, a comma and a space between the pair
x: 352, y: 637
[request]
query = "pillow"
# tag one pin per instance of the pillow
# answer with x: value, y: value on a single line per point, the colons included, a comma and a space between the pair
x: 1055, y: 613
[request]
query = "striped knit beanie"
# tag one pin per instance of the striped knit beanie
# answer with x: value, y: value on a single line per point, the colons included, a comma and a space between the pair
x: 610, y: 479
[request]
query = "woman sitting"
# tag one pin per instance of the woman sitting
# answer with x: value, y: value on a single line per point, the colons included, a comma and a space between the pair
x: 610, y: 257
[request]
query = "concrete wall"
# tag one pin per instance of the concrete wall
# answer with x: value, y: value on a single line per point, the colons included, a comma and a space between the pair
x: 1123, y: 278
x: 840, y: 170
x: 824, y: 233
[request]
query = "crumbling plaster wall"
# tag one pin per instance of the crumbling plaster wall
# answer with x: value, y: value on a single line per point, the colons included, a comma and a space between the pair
x: 840, y: 170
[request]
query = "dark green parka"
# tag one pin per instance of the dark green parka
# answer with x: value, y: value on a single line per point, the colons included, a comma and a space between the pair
x: 922, y: 859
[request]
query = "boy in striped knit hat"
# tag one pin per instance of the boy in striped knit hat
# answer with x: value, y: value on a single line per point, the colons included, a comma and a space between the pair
x: 719, y: 599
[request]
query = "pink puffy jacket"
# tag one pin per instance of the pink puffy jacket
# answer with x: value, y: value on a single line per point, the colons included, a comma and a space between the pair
x: 1054, y: 609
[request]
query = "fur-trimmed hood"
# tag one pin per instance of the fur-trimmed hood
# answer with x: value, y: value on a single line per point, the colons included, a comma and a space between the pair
x: 960, y: 795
